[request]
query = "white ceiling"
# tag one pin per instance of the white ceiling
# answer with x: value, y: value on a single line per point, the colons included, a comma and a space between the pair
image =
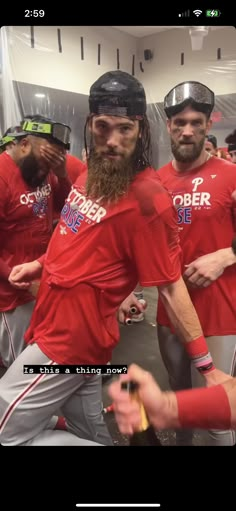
x: 144, y: 31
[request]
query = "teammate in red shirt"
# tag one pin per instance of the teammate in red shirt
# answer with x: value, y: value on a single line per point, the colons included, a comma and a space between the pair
x: 74, y: 168
x: 201, y: 187
x: 118, y: 227
x: 29, y: 193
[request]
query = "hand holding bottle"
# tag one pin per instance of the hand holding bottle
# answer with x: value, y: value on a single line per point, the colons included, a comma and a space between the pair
x: 202, y: 408
x: 127, y: 410
x: 146, y: 434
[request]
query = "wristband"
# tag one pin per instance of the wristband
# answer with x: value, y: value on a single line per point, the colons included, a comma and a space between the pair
x: 206, y: 408
x: 198, y: 352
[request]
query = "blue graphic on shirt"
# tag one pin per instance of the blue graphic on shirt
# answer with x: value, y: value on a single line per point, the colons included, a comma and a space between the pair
x: 184, y: 215
x: 72, y: 217
x: 40, y: 207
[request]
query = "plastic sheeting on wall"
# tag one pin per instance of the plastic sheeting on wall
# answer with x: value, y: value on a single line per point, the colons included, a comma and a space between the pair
x: 22, y: 93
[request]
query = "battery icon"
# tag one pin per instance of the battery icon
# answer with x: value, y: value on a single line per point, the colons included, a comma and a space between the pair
x: 213, y: 13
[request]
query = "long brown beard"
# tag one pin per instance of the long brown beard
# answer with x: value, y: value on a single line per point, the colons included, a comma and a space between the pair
x: 108, y: 180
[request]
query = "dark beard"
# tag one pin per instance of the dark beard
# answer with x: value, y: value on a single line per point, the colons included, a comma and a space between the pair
x: 108, y: 179
x: 30, y: 170
x: 188, y: 153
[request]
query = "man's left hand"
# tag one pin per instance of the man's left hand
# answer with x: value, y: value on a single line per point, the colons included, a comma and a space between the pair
x: 204, y: 270
x: 216, y: 377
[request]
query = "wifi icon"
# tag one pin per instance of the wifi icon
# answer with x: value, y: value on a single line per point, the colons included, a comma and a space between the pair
x: 197, y: 12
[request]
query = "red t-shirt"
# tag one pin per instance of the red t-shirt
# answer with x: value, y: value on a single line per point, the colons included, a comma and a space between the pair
x: 25, y: 224
x: 74, y: 167
x: 96, y: 256
x: 206, y: 219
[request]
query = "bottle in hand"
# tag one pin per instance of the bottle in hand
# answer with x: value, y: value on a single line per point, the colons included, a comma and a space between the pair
x: 146, y: 435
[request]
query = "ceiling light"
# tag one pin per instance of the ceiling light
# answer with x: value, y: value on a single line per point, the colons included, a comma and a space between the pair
x: 39, y: 95
x: 197, y: 35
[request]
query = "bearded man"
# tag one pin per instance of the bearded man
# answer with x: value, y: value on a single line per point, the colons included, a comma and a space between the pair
x: 33, y: 181
x: 201, y: 185
x: 118, y: 227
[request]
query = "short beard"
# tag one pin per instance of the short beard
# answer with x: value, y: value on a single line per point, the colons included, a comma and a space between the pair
x: 109, y: 180
x: 187, y: 154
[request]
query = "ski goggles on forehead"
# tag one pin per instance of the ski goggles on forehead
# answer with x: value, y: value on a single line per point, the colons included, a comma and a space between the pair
x: 189, y: 92
x: 11, y: 138
x: 59, y: 132
x: 6, y: 140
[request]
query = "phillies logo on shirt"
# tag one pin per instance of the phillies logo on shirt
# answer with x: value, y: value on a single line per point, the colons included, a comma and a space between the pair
x: 184, y: 202
x: 195, y: 198
x: 78, y: 208
x: 197, y: 181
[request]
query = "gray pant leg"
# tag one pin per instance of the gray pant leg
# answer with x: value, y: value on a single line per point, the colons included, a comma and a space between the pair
x: 223, y: 351
x: 86, y: 404
x: 178, y: 366
x: 28, y: 401
x: 13, y: 325
x: 55, y: 438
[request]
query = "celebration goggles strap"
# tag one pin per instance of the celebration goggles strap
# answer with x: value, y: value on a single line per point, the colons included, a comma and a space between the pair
x: 11, y: 134
x: 186, y: 92
x: 6, y: 140
x: 58, y: 131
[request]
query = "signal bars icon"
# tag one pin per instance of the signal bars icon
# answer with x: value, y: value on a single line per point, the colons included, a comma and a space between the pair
x: 185, y: 14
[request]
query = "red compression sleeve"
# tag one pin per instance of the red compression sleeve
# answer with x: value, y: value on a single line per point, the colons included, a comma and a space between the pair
x: 206, y: 408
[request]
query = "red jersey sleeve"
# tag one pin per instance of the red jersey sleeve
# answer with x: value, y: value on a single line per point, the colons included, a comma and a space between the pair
x: 156, y: 247
x: 61, y: 189
x: 4, y: 199
x: 74, y: 166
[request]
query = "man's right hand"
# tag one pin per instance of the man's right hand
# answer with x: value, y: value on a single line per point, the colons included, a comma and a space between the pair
x: 22, y: 275
x: 124, y: 308
x: 127, y: 410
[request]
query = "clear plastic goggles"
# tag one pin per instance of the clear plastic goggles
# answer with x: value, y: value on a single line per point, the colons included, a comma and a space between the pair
x: 189, y: 91
x: 59, y: 132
